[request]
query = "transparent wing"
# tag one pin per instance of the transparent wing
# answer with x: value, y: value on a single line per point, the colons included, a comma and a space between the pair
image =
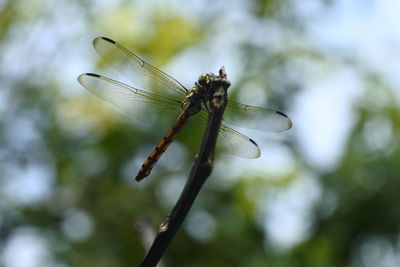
x: 265, y: 119
x: 140, y: 104
x: 138, y: 71
x: 233, y: 142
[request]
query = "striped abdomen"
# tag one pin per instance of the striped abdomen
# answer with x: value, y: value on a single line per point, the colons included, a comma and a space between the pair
x: 161, y: 147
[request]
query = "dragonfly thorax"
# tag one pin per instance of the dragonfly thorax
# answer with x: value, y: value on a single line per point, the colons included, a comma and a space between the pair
x: 194, y: 100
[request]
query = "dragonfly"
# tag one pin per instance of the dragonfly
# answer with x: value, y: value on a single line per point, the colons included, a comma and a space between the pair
x: 162, y: 96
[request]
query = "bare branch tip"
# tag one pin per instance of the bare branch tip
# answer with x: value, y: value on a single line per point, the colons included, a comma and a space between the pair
x: 222, y: 73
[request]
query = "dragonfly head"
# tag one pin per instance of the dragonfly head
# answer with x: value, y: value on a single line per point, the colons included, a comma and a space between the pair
x: 205, y: 79
x: 207, y: 84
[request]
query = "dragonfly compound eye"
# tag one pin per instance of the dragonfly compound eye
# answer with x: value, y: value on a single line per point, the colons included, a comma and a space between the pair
x: 203, y: 79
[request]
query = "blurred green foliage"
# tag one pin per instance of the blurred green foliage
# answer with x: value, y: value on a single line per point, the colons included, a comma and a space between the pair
x: 92, y: 154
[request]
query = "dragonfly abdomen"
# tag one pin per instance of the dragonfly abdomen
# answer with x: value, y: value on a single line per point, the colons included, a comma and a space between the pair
x: 155, y: 155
